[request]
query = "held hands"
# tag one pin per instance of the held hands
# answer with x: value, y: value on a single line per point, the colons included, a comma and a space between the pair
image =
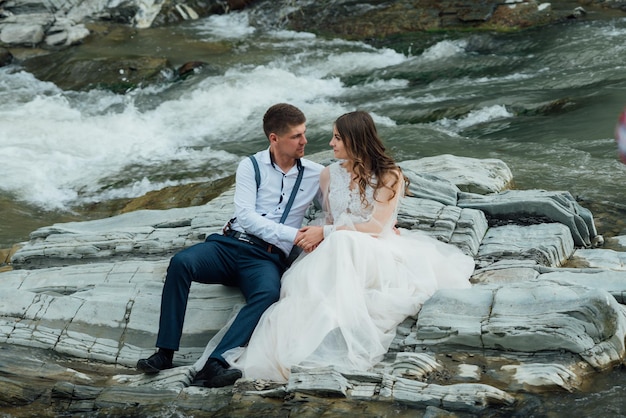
x: 309, y: 237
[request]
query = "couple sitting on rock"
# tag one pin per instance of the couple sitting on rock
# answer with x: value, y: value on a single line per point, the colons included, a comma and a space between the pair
x: 339, y: 303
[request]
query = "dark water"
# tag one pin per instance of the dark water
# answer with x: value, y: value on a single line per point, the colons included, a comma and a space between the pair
x: 544, y: 101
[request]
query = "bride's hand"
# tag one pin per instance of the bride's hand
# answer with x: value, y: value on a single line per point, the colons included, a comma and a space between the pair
x: 309, y: 237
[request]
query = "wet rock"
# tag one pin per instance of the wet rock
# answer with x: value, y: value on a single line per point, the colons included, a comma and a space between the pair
x: 558, y: 206
x: 61, y: 24
x: 5, y: 57
x: 189, y: 68
x: 526, y: 325
x: 52, y: 25
x: 544, y: 316
x: 71, y: 72
x: 29, y: 35
x: 366, y: 20
x: 548, y: 244
x: 65, y: 33
x: 171, y: 11
x: 468, y: 174
x: 523, y: 14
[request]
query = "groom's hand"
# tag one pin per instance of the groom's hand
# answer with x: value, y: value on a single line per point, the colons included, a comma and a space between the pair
x: 309, y: 237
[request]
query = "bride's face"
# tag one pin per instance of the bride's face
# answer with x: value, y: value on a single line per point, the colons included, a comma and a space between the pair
x: 338, y: 145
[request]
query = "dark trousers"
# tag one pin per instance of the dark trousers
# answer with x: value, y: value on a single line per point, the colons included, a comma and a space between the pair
x: 220, y: 260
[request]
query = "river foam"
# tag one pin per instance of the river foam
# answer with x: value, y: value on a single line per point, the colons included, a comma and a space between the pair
x: 62, y: 149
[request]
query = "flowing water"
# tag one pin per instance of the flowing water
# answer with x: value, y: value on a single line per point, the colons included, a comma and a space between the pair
x: 544, y: 101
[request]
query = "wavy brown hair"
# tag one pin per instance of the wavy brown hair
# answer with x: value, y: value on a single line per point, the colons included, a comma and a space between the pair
x: 365, y: 148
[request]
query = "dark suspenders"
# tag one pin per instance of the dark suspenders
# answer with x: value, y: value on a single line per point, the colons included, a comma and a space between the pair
x: 295, y: 251
x: 257, y: 176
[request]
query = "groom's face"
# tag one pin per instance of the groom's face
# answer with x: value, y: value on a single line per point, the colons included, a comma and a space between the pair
x: 291, y: 143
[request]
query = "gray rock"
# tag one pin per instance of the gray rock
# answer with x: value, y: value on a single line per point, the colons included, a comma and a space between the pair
x: 463, y: 397
x: 137, y: 234
x: 600, y: 258
x: 428, y: 186
x: 5, y: 57
x: 557, y: 206
x: 528, y: 317
x: 548, y: 244
x: 21, y: 34
x: 613, y: 282
x: 66, y: 34
x: 470, y: 175
x: 462, y: 227
x: 105, y: 312
x: 526, y: 325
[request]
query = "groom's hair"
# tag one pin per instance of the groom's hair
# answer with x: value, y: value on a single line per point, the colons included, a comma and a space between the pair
x: 280, y: 117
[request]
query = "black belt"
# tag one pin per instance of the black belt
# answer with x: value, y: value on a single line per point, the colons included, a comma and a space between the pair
x: 251, y: 239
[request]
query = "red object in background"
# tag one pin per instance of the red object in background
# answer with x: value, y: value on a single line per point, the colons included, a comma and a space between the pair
x: 620, y: 136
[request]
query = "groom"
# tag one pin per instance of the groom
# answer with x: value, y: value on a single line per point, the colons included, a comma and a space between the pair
x: 252, y: 252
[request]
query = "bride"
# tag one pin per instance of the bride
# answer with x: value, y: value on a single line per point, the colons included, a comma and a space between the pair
x: 360, y: 277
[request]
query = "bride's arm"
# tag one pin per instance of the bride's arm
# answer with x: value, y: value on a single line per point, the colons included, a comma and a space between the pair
x: 383, y: 215
x: 325, y: 188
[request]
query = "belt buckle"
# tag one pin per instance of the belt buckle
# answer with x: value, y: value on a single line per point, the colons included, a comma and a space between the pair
x: 244, y: 237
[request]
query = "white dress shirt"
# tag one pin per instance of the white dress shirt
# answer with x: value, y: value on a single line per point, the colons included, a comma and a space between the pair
x: 258, y: 212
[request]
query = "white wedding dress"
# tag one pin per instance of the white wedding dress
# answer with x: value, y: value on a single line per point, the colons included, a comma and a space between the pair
x: 340, y: 304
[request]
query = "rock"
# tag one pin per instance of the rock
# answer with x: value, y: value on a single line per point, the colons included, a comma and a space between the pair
x: 548, y: 244
x: 467, y: 174
x: 189, y: 67
x: 61, y: 24
x: 463, y: 227
x: 5, y: 57
x: 104, y: 311
x: 432, y: 187
x: 605, y: 259
x: 325, y: 382
x: 546, y: 307
x: 613, y: 282
x: 66, y: 34
x: 529, y: 323
x: 113, y: 73
x: 460, y: 397
x: 577, y: 12
x: 29, y: 35
x: 557, y: 206
x: 368, y: 20
x: 523, y: 14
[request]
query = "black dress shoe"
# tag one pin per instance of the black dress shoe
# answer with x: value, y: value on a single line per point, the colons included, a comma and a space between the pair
x: 155, y: 363
x: 215, y: 375
x: 208, y: 371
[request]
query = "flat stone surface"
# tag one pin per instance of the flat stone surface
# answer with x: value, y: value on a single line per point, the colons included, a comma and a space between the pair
x: 91, y: 291
x: 481, y: 176
x: 554, y: 205
x: 547, y: 244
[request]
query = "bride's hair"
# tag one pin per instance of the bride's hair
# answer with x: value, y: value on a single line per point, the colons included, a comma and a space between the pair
x: 372, y: 165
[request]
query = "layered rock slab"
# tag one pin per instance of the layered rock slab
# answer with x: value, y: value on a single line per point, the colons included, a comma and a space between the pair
x: 527, y: 323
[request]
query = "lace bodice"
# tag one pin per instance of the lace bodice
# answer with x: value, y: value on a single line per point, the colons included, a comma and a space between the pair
x: 349, y: 203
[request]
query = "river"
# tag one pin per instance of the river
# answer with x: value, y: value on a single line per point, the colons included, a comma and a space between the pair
x: 545, y: 101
